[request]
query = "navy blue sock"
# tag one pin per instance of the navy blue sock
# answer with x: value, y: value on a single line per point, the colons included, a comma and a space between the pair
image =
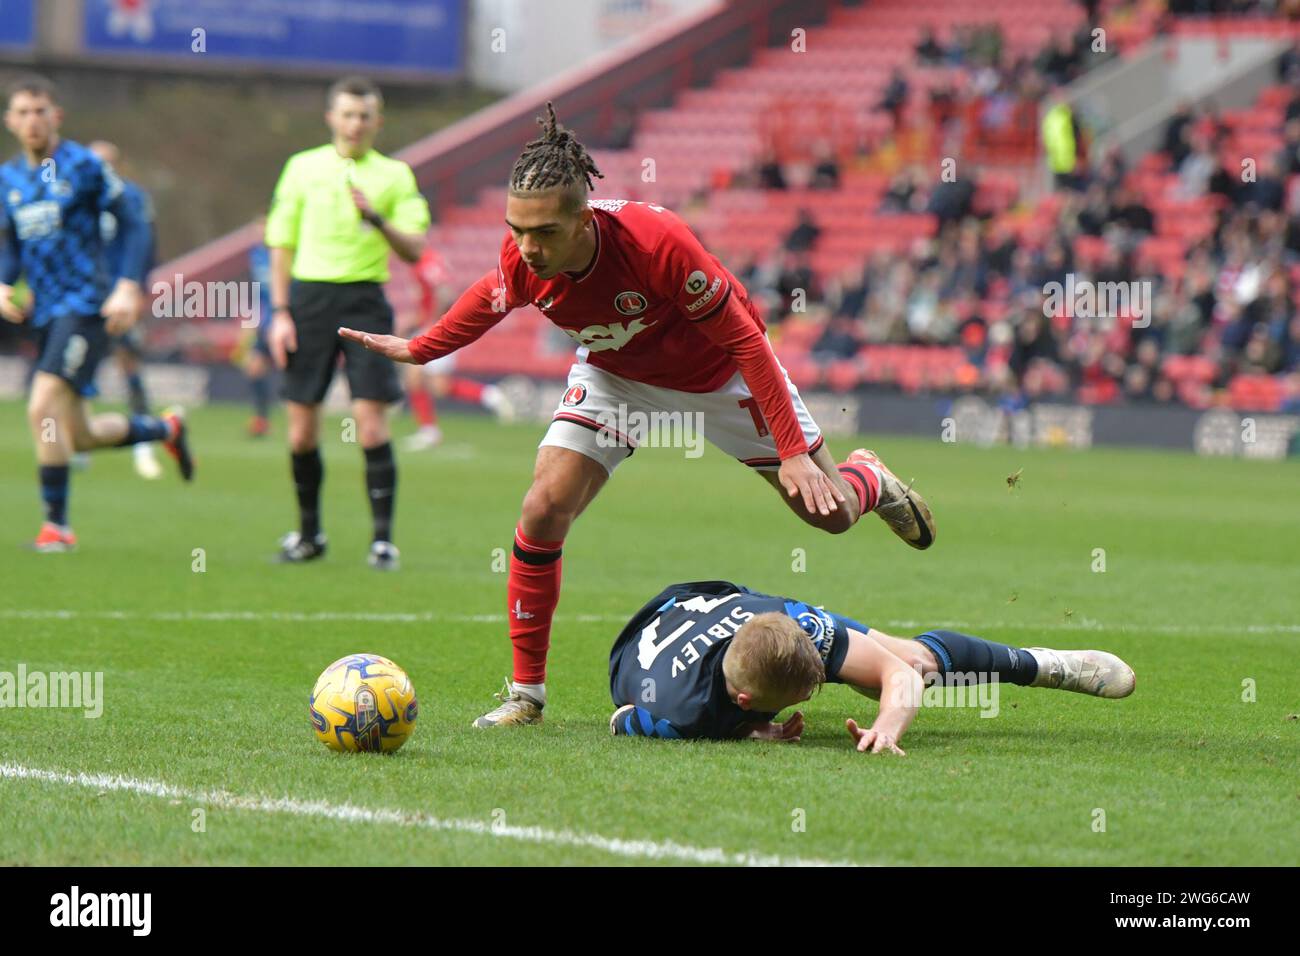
x: 139, y: 402
x: 261, y: 396
x: 54, y: 492
x: 145, y: 428
x: 962, y: 653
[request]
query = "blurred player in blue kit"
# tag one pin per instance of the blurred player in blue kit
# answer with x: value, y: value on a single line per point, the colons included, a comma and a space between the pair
x: 54, y: 193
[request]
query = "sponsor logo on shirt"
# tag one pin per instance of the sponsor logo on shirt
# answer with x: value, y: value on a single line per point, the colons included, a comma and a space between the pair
x: 630, y: 303
x: 600, y: 338
x: 37, y: 219
x: 705, y: 299
x: 695, y: 282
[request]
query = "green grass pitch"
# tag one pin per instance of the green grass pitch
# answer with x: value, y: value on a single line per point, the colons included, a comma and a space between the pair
x: 206, y: 674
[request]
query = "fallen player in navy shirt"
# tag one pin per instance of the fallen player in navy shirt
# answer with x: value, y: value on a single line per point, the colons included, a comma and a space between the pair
x: 712, y: 659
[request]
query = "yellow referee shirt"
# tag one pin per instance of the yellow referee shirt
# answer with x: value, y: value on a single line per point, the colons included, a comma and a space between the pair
x: 313, y: 212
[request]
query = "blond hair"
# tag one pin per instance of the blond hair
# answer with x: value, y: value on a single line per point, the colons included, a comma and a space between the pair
x: 771, y: 658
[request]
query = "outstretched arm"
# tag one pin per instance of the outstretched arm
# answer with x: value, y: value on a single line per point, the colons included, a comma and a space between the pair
x: 870, y: 669
x: 481, y: 306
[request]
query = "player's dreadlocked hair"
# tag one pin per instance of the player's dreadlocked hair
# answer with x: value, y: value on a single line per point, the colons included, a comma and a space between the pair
x: 557, y: 159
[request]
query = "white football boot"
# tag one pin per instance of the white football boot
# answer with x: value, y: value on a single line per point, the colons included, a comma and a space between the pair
x: 1086, y: 672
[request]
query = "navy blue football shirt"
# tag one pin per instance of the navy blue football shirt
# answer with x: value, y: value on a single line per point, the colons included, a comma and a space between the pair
x: 115, y: 247
x: 668, y: 659
x: 52, y: 231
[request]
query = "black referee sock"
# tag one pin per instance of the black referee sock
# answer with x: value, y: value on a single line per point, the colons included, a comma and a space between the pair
x: 961, y: 653
x: 308, y: 473
x: 381, y: 487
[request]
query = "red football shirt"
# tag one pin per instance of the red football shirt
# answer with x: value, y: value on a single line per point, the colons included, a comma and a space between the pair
x: 653, y: 306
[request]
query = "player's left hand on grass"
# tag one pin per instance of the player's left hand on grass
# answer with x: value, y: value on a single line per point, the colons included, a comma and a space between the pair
x: 389, y: 346
x: 790, y: 731
x: 799, y: 475
x: 872, y: 740
x: 122, y: 307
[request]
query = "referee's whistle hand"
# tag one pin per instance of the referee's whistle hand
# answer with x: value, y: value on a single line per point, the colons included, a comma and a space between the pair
x: 392, y: 347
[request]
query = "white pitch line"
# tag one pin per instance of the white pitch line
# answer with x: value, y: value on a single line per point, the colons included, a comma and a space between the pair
x: 347, y: 813
x: 430, y: 617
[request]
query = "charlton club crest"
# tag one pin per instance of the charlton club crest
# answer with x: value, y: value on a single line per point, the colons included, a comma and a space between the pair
x: 575, y: 395
x: 630, y: 303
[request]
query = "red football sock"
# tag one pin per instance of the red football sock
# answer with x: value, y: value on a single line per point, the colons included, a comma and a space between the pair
x: 422, y: 405
x: 466, y: 390
x: 531, y: 595
x: 864, y: 481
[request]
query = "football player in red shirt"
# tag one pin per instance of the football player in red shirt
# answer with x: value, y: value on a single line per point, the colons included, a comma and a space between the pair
x: 662, y: 328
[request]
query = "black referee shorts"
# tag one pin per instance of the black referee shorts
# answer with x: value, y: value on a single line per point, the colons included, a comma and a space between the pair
x: 319, y: 309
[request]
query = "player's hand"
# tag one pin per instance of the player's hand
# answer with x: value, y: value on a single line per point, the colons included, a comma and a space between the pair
x: 8, y: 310
x: 282, y: 339
x: 122, y: 307
x: 389, y: 346
x: 801, y: 476
x: 789, y: 732
x: 875, y: 741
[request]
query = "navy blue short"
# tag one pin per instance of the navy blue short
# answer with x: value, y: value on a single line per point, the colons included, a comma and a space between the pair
x: 72, y: 348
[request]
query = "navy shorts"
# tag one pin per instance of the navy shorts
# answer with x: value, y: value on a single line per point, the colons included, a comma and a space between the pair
x: 72, y: 347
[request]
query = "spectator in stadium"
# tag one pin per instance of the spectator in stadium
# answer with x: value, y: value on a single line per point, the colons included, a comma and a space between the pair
x: 769, y: 172
x: 1033, y: 340
x: 951, y: 201
x: 1060, y: 62
x: 1267, y: 190
x: 1061, y: 143
x: 905, y: 191
x: 928, y: 50
x: 805, y: 233
x: 1197, y: 166
x: 1175, y: 142
x: 895, y: 97
x: 826, y: 170
x: 796, y: 282
x: 841, y: 338
x: 846, y: 294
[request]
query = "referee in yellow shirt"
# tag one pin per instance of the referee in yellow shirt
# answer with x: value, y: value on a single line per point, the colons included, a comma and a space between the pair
x: 338, y: 211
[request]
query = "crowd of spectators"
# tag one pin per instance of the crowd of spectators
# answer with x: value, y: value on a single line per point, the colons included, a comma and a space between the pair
x: 979, y: 283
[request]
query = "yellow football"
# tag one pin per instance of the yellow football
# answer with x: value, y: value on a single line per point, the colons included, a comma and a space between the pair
x: 363, y: 702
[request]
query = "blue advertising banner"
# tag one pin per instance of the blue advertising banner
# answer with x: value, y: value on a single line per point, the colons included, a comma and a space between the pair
x: 414, y: 35
x: 17, y: 23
